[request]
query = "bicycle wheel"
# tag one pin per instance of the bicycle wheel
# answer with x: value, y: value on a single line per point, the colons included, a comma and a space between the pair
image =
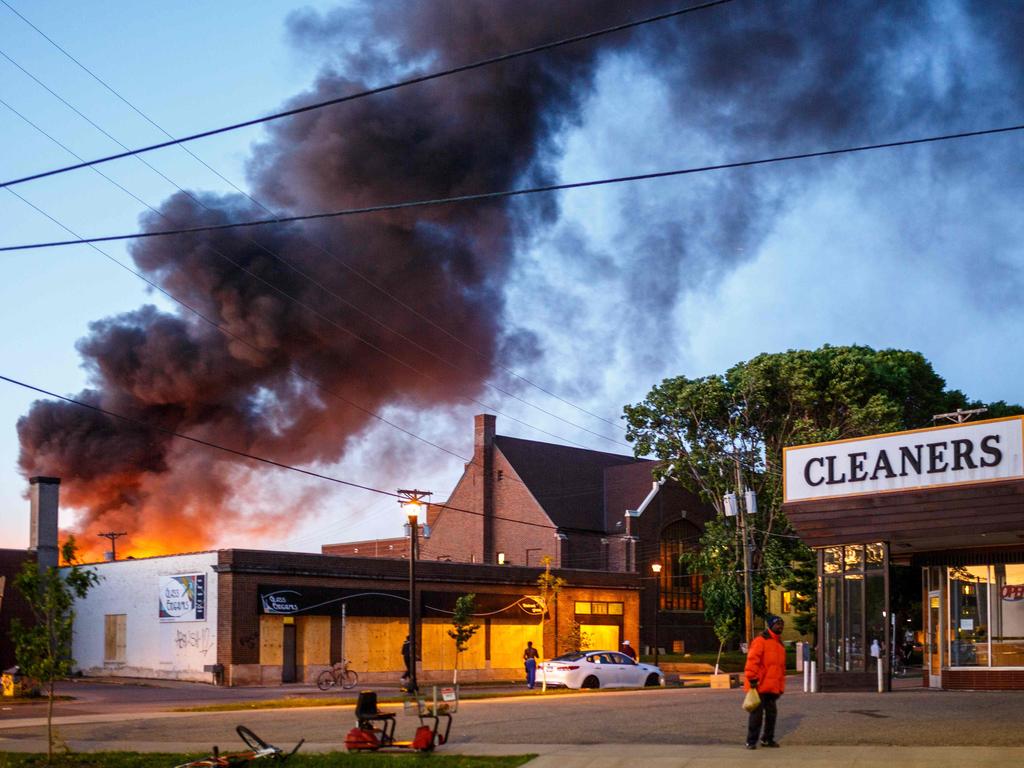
x: 325, y: 680
x: 350, y: 679
x: 252, y: 741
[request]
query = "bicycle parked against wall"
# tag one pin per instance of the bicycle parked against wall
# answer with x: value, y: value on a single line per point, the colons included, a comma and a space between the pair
x: 339, y: 674
x: 258, y: 749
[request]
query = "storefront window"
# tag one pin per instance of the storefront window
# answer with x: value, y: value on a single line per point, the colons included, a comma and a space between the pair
x: 1008, y: 616
x: 968, y: 616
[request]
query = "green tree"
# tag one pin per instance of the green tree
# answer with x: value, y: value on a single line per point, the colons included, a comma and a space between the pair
x: 577, y: 639
x: 722, y: 431
x: 463, y: 628
x: 43, y: 648
x: 803, y: 583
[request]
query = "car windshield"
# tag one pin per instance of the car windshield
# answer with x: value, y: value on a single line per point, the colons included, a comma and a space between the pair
x: 574, y: 656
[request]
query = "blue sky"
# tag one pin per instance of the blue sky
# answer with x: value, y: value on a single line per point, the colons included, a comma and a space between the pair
x: 610, y: 290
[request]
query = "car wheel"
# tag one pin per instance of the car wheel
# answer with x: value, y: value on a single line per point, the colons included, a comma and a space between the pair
x: 591, y: 682
x: 652, y: 680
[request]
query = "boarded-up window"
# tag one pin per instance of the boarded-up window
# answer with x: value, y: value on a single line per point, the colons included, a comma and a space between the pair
x: 115, y: 637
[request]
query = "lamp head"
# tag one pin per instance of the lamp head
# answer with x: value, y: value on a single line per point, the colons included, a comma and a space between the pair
x: 411, y: 508
x: 656, y: 567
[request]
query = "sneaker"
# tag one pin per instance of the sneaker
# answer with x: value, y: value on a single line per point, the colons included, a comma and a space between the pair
x: 751, y: 746
x: 769, y: 744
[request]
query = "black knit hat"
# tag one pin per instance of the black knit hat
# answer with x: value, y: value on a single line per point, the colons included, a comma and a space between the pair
x: 770, y: 619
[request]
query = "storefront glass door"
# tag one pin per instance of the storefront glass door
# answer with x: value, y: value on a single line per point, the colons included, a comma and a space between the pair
x: 854, y: 606
x: 933, y: 651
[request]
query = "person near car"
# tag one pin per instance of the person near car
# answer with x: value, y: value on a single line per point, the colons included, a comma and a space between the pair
x: 530, y: 663
x: 765, y: 671
x: 628, y: 649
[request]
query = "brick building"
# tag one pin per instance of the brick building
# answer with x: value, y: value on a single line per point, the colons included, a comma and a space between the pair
x: 521, y: 501
x: 12, y: 604
x: 44, y: 493
x: 252, y: 617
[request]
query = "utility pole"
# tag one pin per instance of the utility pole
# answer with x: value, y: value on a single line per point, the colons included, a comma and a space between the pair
x: 113, y: 541
x: 959, y: 416
x: 733, y: 509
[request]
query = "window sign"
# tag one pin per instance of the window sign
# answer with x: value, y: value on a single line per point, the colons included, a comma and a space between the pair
x: 183, y: 597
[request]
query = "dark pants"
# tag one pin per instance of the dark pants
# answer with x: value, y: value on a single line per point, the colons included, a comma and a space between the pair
x: 766, y: 712
x: 531, y: 672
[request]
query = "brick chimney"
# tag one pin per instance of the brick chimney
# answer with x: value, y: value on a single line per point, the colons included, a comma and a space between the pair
x: 483, y: 457
x: 44, y: 497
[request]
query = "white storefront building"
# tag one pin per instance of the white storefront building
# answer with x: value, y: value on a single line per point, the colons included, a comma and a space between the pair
x: 154, y: 618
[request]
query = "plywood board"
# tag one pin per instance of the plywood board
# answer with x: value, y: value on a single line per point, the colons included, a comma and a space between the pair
x: 374, y: 643
x: 601, y: 637
x: 314, y: 640
x: 271, y: 639
x: 508, y: 641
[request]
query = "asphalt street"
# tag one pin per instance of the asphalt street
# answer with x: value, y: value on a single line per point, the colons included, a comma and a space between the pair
x: 674, y: 716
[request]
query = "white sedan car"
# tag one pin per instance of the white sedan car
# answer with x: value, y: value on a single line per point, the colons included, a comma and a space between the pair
x: 600, y: 669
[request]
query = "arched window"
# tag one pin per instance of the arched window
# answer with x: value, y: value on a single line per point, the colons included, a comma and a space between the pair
x: 678, y: 589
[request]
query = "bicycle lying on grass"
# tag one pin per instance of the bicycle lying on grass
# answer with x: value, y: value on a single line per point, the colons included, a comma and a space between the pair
x: 339, y: 674
x: 258, y: 749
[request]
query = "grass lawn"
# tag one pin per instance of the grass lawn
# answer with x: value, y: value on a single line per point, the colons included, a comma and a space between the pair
x: 356, y: 760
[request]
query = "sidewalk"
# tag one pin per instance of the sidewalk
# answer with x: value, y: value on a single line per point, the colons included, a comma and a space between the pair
x: 720, y: 756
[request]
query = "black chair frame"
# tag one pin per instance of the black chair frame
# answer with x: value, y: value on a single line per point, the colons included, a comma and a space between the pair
x: 367, y: 714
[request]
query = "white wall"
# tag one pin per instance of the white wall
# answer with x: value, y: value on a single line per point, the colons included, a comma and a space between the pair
x: 154, y: 648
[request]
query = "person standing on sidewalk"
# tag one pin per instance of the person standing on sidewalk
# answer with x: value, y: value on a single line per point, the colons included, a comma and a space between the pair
x: 530, y: 662
x: 765, y: 671
x: 627, y: 649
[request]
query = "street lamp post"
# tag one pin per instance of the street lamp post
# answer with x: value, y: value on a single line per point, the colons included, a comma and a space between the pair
x: 411, y: 501
x: 656, y: 567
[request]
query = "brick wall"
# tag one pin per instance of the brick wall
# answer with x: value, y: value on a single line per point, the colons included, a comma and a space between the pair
x: 13, y: 605
x: 983, y: 680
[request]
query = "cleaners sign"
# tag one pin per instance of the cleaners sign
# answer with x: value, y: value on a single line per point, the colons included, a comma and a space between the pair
x: 924, y: 458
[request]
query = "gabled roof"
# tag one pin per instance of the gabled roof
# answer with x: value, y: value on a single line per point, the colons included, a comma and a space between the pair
x: 569, y: 483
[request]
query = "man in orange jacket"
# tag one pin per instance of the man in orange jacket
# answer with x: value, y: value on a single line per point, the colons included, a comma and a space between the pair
x: 766, y: 671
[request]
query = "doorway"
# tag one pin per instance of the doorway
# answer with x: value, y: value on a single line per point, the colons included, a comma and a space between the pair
x: 288, y: 654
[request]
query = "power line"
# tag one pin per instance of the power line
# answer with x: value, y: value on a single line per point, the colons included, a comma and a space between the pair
x: 361, y: 94
x: 522, y: 191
